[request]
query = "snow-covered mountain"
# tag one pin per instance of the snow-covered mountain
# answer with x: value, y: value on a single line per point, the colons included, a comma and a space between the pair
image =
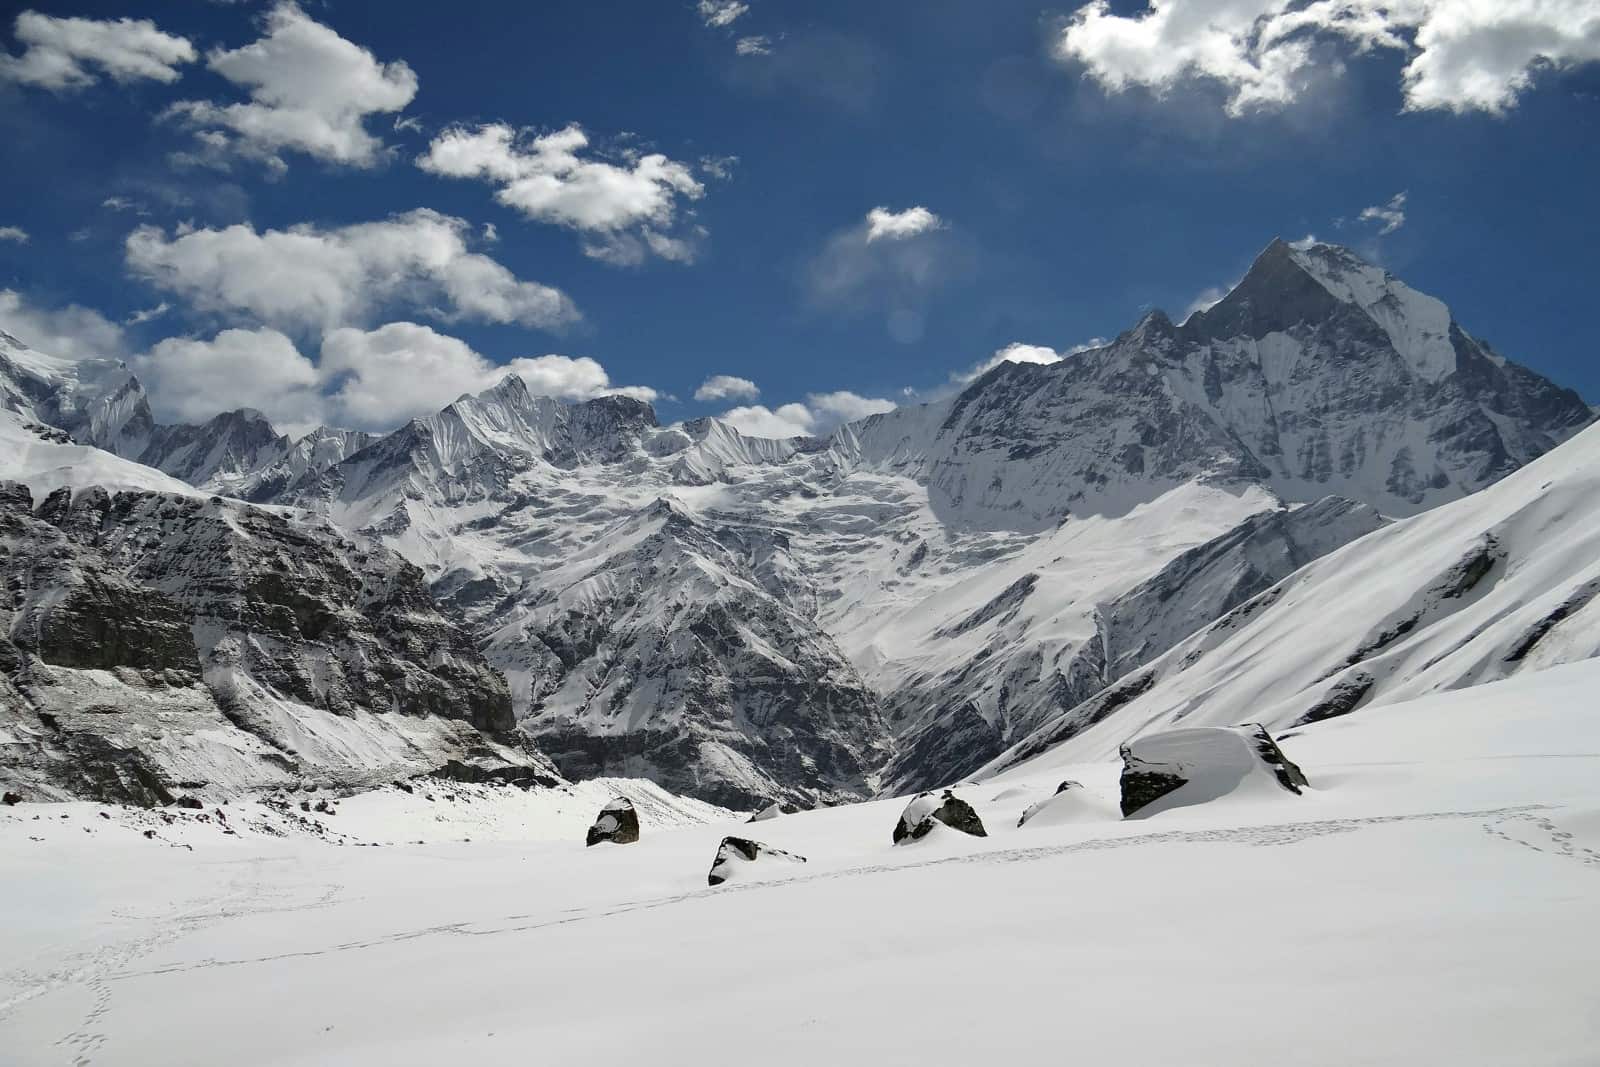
x: 100, y: 402
x: 747, y: 619
x: 156, y: 640
x: 1504, y: 582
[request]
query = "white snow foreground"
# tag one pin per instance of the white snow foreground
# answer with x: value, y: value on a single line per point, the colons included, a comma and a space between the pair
x: 1429, y: 899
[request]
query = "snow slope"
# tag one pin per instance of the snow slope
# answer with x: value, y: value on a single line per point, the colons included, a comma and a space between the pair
x: 1503, y: 582
x: 1430, y: 899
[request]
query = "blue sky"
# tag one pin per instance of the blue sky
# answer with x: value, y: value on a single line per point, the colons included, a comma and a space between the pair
x: 1074, y: 166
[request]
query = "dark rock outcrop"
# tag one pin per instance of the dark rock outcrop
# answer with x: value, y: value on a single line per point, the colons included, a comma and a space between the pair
x: 617, y: 823
x: 735, y: 852
x: 919, y: 817
x: 773, y: 810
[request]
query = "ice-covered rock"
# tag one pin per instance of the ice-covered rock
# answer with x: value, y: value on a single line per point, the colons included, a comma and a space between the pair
x: 618, y: 823
x: 928, y: 809
x: 1183, y: 767
x: 736, y: 854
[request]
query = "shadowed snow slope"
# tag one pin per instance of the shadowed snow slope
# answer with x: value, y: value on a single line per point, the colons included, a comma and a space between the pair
x: 1431, y: 899
x: 1500, y: 583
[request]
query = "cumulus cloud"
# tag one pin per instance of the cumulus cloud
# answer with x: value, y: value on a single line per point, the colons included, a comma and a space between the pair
x: 72, y: 332
x: 1018, y: 352
x: 897, y: 225
x: 625, y: 209
x: 64, y: 53
x: 1462, y: 55
x: 720, y: 13
x: 726, y: 387
x: 190, y: 380
x: 757, y: 44
x: 1390, y: 216
x: 367, y: 379
x: 14, y: 233
x: 310, y: 91
x: 307, y: 277
x: 820, y: 414
x: 889, y: 263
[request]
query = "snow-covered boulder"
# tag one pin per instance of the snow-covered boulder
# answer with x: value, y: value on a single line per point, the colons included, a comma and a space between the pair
x: 918, y: 820
x: 773, y: 810
x: 736, y: 854
x: 1069, y: 803
x: 618, y: 823
x: 1183, y: 767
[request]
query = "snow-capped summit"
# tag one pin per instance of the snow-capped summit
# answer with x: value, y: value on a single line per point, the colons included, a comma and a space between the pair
x: 893, y: 606
x: 1316, y: 374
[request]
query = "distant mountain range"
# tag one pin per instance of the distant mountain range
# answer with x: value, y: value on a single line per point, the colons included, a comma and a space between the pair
x: 747, y: 619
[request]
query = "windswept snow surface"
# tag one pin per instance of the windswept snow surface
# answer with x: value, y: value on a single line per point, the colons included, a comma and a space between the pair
x: 1430, y: 899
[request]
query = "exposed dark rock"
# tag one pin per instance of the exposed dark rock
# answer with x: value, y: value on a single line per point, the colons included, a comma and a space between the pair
x: 11, y: 799
x: 617, y: 823
x: 1343, y: 697
x: 734, y: 852
x: 926, y: 809
x: 193, y: 803
x: 527, y: 775
x: 1216, y: 758
x: 773, y: 810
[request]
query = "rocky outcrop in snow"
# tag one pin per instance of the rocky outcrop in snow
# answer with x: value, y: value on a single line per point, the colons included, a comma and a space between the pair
x: 1182, y: 767
x: 736, y: 855
x: 617, y: 823
x: 927, y: 810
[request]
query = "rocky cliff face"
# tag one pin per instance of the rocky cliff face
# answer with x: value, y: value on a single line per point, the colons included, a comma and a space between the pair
x: 152, y: 643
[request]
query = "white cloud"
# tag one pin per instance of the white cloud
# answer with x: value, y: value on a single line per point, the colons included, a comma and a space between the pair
x: 888, y: 262
x: 191, y: 380
x: 310, y: 277
x: 898, y: 225
x: 310, y: 89
x: 718, y: 167
x: 573, y: 378
x: 14, y: 233
x: 147, y: 314
x: 758, y: 44
x: 1391, y: 216
x: 124, y: 203
x: 1018, y: 352
x: 72, y: 332
x: 720, y: 13
x: 61, y: 51
x: 368, y: 379
x: 1205, y: 300
x: 624, y: 208
x: 820, y: 414
x: 1463, y: 55
x: 379, y: 378
x: 726, y: 387
x: 490, y: 234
